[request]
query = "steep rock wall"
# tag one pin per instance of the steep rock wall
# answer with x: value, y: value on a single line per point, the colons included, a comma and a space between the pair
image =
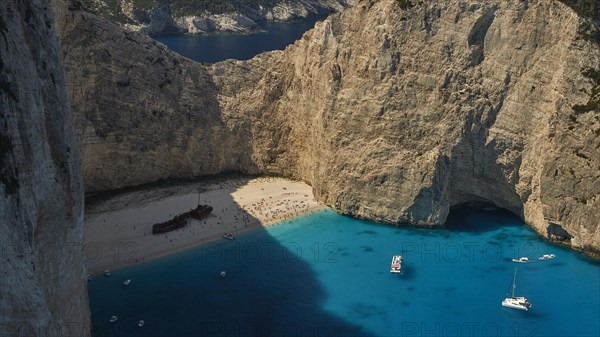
x: 43, y: 289
x: 144, y: 113
x: 392, y: 114
x: 397, y: 115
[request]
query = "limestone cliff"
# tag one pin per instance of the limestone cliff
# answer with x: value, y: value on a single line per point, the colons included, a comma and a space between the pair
x: 397, y: 115
x: 42, y: 275
x: 199, y: 17
x: 393, y: 114
x: 144, y: 113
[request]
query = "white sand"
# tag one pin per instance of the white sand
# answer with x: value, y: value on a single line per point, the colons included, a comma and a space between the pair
x: 118, y: 231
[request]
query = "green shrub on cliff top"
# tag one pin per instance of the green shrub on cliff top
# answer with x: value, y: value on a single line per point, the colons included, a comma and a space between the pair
x: 111, y: 9
x: 191, y: 7
x: 108, y: 9
x: 593, y: 103
x: 405, y: 4
x: 586, y: 8
x: 589, y: 9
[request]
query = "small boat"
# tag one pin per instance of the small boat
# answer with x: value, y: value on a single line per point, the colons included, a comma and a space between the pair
x: 223, y: 273
x: 396, y: 265
x: 113, y: 318
x: 519, y: 303
x: 89, y: 277
x: 521, y: 260
x: 546, y: 257
x: 229, y: 236
x: 141, y: 323
x: 107, y: 272
x: 126, y: 283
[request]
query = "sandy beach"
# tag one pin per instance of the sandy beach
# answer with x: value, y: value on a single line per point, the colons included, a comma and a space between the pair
x: 118, y: 230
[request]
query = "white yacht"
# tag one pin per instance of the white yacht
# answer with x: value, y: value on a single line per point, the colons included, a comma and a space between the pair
x: 107, y: 272
x: 141, y: 323
x: 126, y: 283
x: 113, y: 318
x: 396, y: 265
x: 521, y: 260
x: 519, y: 303
x: 546, y: 257
x: 223, y: 273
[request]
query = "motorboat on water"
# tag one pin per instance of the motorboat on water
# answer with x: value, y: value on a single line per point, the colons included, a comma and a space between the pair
x: 223, y: 273
x: 229, y: 236
x: 113, y: 318
x: 521, y: 260
x: 89, y: 277
x: 107, y: 272
x: 396, y: 265
x: 126, y: 283
x: 546, y: 257
x: 141, y: 323
x: 513, y: 302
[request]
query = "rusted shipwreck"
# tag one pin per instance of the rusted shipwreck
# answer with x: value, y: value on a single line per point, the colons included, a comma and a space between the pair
x: 180, y: 221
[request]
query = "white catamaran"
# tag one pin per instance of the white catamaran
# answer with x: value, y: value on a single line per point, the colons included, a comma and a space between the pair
x: 519, y: 303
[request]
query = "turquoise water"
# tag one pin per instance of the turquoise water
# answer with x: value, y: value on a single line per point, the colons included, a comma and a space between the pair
x: 218, y: 47
x: 328, y: 275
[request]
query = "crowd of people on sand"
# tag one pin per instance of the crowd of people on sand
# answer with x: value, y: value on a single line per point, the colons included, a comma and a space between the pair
x: 233, y: 216
x: 238, y: 204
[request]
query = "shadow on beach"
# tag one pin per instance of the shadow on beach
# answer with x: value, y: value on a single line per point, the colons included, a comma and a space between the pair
x: 268, y: 290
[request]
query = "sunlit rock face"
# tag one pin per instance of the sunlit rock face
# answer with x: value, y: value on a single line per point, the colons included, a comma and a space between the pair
x: 397, y: 115
x: 197, y: 17
x: 43, y: 289
x: 392, y: 114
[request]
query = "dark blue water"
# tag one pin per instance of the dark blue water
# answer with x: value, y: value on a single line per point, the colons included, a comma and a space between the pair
x: 218, y: 47
x: 328, y: 275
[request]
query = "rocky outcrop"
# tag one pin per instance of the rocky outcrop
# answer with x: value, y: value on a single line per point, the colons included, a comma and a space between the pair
x: 236, y: 23
x: 148, y: 125
x: 153, y: 17
x: 43, y: 288
x: 393, y: 114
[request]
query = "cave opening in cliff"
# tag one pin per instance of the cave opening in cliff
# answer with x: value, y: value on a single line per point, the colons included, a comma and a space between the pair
x: 480, y: 216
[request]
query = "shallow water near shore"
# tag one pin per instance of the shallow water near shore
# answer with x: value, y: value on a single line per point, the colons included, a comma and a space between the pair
x: 328, y: 275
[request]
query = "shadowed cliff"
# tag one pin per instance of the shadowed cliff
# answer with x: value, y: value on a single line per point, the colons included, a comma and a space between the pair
x: 42, y: 276
x: 393, y: 114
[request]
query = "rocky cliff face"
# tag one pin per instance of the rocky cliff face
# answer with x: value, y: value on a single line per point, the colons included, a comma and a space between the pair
x: 392, y: 114
x: 398, y: 115
x: 42, y: 276
x: 156, y: 17
x: 144, y: 113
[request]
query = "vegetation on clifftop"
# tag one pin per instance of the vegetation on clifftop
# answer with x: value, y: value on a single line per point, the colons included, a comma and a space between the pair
x: 111, y: 9
x: 586, y: 8
x: 594, y: 102
x: 589, y: 9
x: 405, y: 4
x: 108, y: 9
x: 192, y: 7
x: 589, y: 30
